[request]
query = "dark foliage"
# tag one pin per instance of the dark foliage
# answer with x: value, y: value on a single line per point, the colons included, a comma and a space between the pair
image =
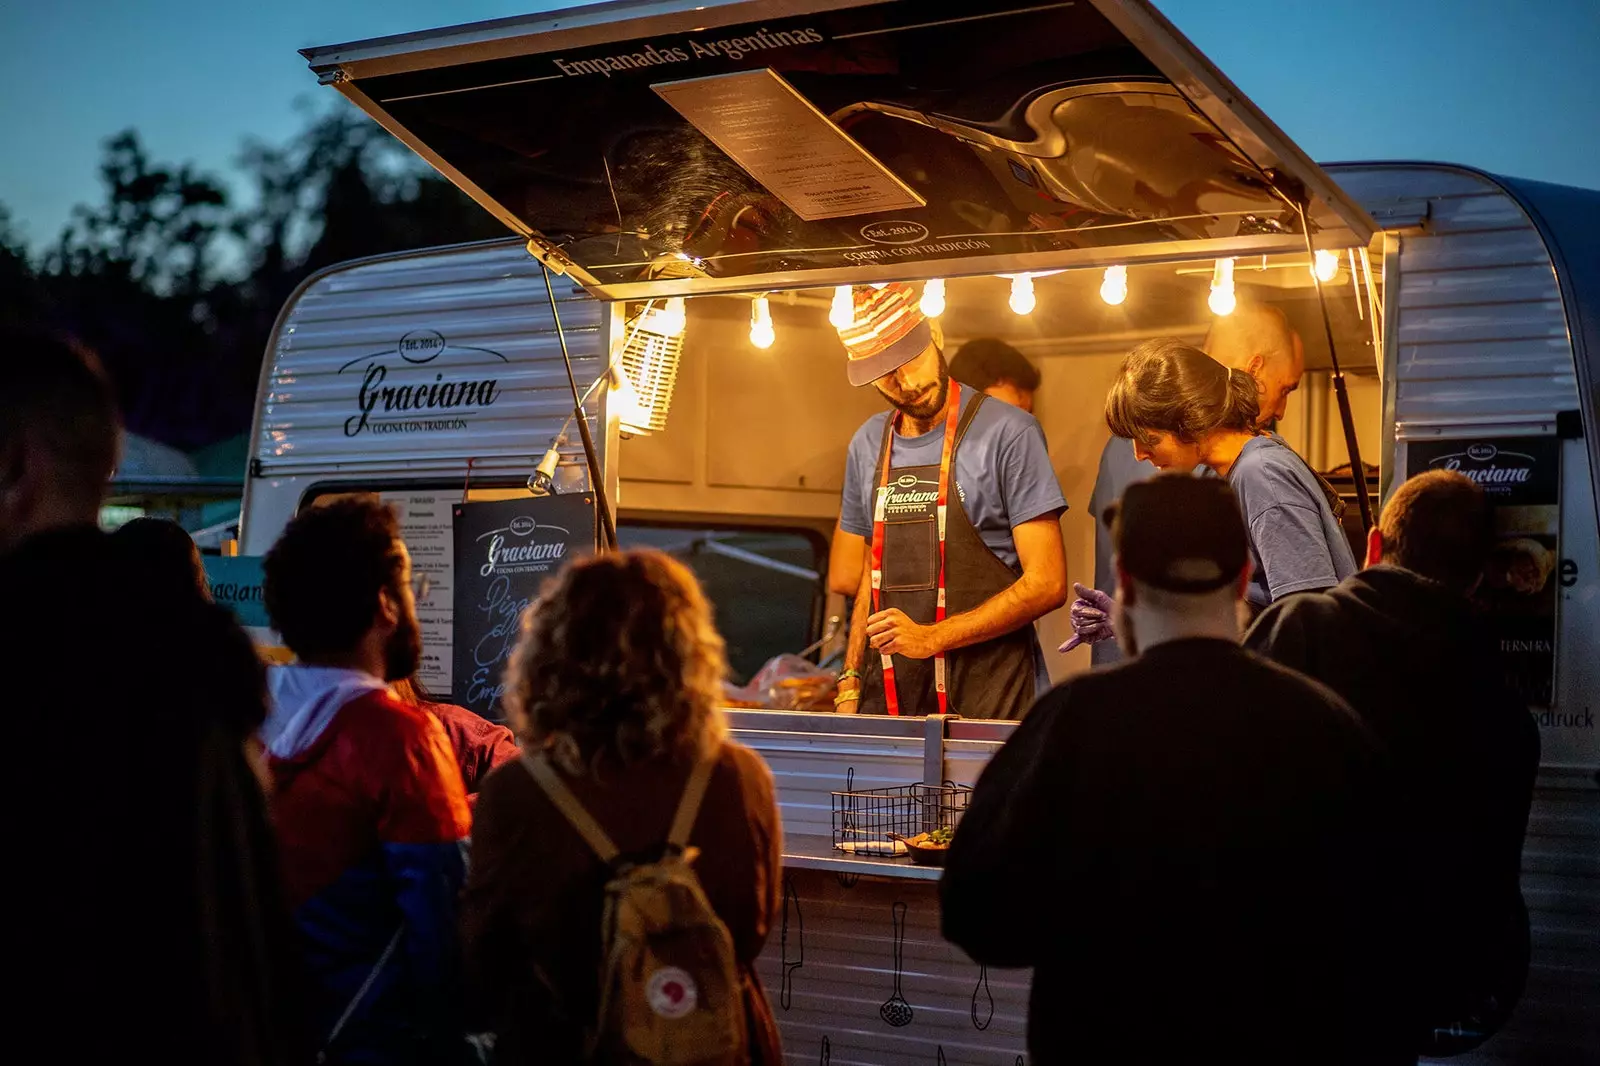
x: 175, y: 280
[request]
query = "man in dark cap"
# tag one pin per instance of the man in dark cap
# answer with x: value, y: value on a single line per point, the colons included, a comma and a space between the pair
x: 1182, y: 846
x: 953, y: 506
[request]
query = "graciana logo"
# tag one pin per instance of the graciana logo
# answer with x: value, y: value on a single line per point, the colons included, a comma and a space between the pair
x: 414, y: 389
x: 896, y: 232
x: 1487, y: 465
x: 540, y: 545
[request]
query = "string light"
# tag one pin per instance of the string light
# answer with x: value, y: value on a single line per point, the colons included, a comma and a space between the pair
x: 932, y: 303
x: 1325, y: 265
x: 843, y: 311
x: 761, y: 332
x: 1114, y: 289
x: 1222, y: 300
x: 674, y: 317
x: 1023, y: 300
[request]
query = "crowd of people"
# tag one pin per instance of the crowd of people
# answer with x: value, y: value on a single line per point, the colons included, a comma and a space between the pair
x: 1287, y: 827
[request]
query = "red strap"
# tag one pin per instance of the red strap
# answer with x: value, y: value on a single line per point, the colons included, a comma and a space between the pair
x: 891, y: 696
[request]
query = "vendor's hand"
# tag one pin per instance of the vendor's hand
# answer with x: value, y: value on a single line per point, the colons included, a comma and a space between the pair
x: 1090, y: 615
x: 892, y: 632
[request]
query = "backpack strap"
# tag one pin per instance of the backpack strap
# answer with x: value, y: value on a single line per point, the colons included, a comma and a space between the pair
x: 689, y: 806
x: 565, y: 802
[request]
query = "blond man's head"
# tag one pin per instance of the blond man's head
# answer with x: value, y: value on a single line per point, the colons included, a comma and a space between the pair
x: 1258, y: 339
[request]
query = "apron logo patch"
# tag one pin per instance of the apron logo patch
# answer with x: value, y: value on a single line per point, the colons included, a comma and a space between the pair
x: 671, y: 993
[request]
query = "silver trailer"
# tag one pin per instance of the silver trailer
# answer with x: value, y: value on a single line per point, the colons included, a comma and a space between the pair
x: 1462, y: 307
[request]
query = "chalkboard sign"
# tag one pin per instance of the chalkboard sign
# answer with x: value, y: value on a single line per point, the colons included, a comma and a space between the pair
x: 1521, y: 476
x: 236, y: 584
x: 505, y: 550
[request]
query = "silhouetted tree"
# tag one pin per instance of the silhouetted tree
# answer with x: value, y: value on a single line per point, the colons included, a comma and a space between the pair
x: 178, y: 289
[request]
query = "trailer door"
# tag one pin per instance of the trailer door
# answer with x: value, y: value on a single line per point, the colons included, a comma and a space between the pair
x: 653, y: 149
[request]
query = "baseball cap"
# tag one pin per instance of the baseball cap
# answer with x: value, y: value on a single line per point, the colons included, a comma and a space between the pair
x: 1180, y: 533
x: 886, y: 332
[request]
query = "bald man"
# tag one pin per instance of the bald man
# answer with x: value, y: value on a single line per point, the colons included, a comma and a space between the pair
x: 1257, y: 339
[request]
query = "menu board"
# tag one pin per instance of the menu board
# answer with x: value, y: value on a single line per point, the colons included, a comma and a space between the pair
x: 1522, y: 478
x: 505, y: 550
x: 786, y: 144
x: 425, y: 526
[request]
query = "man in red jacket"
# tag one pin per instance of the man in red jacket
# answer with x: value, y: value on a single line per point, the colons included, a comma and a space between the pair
x: 372, y: 813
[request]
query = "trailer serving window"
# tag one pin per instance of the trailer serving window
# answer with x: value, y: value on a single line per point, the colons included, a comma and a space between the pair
x: 765, y: 584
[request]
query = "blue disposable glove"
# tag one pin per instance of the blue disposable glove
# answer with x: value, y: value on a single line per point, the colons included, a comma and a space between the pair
x: 1090, y: 615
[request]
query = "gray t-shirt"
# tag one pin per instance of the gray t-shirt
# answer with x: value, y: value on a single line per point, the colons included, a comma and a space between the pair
x: 1295, y: 542
x: 1003, y: 478
x: 1003, y: 475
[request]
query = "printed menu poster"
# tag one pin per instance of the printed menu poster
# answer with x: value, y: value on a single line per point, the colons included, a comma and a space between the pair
x: 505, y: 551
x: 425, y: 524
x: 1522, y: 477
x: 786, y: 144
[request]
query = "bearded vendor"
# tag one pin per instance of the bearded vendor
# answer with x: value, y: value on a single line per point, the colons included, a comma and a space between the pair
x: 953, y: 502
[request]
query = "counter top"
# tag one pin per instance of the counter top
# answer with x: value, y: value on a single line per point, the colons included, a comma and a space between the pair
x: 817, y: 853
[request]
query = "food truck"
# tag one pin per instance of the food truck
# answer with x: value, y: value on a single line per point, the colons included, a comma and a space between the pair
x: 691, y: 187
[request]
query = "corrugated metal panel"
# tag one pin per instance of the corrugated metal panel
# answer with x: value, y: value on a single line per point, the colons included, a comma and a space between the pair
x: 1480, y: 325
x: 1379, y: 184
x: 831, y: 974
x: 813, y: 756
x: 386, y: 360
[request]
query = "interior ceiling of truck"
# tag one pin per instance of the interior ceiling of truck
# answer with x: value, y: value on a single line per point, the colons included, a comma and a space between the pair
x: 1161, y: 300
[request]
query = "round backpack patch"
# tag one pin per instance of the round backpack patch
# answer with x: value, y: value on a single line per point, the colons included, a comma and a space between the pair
x: 671, y: 993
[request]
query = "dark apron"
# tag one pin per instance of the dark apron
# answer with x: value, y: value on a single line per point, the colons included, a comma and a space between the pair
x: 990, y: 680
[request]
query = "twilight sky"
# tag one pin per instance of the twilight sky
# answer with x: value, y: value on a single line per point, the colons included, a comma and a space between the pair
x: 1511, y: 86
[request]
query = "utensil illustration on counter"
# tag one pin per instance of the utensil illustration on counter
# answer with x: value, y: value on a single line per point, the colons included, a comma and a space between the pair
x: 790, y: 963
x: 896, y: 1011
x: 849, y: 823
x: 982, y: 1015
x: 827, y: 1053
x: 941, y: 1056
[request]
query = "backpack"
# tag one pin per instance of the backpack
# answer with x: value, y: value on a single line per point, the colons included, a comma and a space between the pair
x: 670, y: 993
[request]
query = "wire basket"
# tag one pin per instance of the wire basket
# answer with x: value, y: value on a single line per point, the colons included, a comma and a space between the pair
x: 871, y: 822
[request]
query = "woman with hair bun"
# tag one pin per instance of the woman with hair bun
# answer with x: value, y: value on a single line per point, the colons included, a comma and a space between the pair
x: 1182, y: 409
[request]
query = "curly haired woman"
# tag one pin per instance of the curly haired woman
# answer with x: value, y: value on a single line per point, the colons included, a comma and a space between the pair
x: 616, y: 682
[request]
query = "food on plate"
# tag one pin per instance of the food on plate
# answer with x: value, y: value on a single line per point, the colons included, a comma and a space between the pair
x: 939, y: 839
x: 873, y: 847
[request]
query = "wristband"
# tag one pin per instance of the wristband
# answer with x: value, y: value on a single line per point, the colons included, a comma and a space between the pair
x: 845, y: 675
x: 847, y: 697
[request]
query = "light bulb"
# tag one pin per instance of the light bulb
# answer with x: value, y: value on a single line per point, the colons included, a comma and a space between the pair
x: 1326, y: 265
x: 1022, y: 298
x: 843, y: 311
x: 761, y: 332
x: 932, y: 303
x: 632, y: 415
x: 1222, y: 300
x: 674, y: 317
x: 1114, y: 289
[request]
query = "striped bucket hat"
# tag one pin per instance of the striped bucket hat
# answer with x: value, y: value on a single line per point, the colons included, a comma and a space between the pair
x: 887, y: 332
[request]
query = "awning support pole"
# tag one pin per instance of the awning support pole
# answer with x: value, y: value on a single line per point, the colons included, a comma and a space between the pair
x: 1357, y: 470
x: 607, y: 532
